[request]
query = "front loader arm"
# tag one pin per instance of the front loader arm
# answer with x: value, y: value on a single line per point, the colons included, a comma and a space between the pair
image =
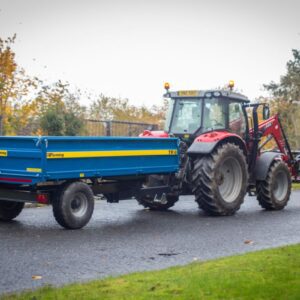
x: 272, y: 128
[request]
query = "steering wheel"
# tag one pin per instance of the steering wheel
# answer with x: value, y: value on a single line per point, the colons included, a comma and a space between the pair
x: 217, y: 123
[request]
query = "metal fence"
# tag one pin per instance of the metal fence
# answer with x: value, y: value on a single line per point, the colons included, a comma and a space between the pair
x: 116, y: 128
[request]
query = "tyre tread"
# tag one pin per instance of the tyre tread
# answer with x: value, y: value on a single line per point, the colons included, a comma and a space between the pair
x: 8, y: 215
x: 203, y: 182
x: 264, y: 193
x: 59, y: 212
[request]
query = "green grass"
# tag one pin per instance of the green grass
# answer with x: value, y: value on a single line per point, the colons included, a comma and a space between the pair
x: 296, y: 186
x: 269, y: 274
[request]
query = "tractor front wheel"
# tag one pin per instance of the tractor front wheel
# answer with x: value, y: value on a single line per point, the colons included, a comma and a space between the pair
x: 220, y: 180
x: 273, y: 193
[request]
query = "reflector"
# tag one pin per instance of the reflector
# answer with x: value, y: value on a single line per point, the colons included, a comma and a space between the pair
x: 42, y: 198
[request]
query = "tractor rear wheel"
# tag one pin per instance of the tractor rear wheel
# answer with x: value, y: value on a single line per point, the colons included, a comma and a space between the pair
x: 162, y: 203
x: 220, y: 180
x: 273, y: 193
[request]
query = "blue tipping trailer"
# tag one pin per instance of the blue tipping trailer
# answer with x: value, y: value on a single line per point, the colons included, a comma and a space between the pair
x: 67, y: 171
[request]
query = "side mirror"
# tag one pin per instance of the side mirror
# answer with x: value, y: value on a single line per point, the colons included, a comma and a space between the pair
x: 266, y: 112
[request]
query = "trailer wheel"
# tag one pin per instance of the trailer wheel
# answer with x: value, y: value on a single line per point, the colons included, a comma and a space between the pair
x: 273, y: 193
x: 161, y: 203
x: 73, y: 205
x: 220, y: 180
x: 10, y: 209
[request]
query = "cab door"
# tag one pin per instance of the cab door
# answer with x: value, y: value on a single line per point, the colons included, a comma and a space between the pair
x: 237, y: 119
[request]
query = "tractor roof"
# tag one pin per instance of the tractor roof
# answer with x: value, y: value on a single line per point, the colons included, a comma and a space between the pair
x: 208, y: 94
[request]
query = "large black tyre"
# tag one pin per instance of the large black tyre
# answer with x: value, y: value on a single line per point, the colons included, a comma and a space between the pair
x: 220, y: 180
x: 273, y: 193
x: 160, y: 204
x: 73, y: 205
x: 10, y: 209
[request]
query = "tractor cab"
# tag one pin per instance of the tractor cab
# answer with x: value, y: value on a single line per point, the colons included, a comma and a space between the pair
x: 192, y: 113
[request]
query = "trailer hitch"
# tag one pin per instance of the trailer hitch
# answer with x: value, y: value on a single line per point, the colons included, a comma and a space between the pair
x: 155, y: 192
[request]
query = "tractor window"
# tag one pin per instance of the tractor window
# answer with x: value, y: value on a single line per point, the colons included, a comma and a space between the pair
x: 187, y: 116
x: 237, y: 122
x: 214, y: 114
x: 169, y: 113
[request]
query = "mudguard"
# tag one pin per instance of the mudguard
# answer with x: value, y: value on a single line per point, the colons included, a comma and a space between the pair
x: 207, y: 142
x: 198, y: 148
x: 263, y: 164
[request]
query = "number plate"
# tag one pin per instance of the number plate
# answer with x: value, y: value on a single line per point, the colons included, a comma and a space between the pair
x: 188, y: 93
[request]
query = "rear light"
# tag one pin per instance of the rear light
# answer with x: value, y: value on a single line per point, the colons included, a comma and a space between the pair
x: 42, y: 198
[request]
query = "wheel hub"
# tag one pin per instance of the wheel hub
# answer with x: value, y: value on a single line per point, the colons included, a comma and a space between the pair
x: 79, y: 205
x: 230, y: 179
x: 280, y: 186
x: 220, y: 178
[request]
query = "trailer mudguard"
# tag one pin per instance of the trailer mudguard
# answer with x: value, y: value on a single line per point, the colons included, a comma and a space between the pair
x: 263, y: 164
x: 206, y: 143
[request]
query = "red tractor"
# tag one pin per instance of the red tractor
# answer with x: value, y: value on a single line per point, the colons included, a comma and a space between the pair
x: 222, y: 155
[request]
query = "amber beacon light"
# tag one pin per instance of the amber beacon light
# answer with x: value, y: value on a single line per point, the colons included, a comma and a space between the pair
x: 167, y: 86
x: 231, y: 84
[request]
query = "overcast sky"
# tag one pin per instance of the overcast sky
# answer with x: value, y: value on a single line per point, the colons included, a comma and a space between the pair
x: 130, y: 48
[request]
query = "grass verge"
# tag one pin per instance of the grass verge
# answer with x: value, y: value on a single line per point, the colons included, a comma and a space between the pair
x: 296, y: 186
x: 268, y: 274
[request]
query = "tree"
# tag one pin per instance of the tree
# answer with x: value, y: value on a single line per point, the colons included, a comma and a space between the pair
x: 60, y: 110
x: 53, y: 122
x: 14, y: 85
x: 288, y: 87
x: 285, y: 99
x: 74, y: 114
x: 109, y: 108
x: 116, y: 109
x: 30, y: 107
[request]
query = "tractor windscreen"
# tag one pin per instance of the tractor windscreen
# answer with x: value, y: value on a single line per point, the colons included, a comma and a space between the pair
x: 186, y: 117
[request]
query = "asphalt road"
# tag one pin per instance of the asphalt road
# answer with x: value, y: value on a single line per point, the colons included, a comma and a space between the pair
x: 123, y: 238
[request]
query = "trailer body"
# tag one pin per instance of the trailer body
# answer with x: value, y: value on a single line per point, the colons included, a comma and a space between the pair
x: 67, y: 172
x: 34, y: 160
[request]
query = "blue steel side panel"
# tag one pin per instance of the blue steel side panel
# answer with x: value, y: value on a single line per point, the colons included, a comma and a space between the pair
x: 26, y: 161
x: 110, y: 166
